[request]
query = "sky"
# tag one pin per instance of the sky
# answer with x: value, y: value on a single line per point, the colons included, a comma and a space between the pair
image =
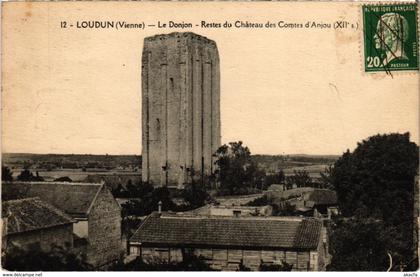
x: 283, y: 91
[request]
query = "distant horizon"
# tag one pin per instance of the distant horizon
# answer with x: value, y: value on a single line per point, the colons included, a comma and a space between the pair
x: 252, y: 153
x: 28, y: 153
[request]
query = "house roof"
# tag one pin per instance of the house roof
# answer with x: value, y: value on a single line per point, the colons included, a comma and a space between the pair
x: 31, y: 214
x: 73, y: 198
x: 251, y: 232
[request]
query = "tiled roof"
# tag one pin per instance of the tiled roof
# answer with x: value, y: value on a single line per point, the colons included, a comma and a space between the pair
x: 252, y: 232
x: 31, y: 214
x: 73, y: 198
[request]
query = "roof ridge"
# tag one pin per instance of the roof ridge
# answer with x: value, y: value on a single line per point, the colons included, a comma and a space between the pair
x: 54, y: 209
x: 20, y: 200
x: 141, y: 224
x: 94, y: 198
x: 229, y: 218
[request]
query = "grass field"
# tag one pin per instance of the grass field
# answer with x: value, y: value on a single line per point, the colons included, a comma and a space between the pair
x: 75, y: 174
x: 313, y: 170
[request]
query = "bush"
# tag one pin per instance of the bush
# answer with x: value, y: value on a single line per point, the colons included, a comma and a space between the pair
x: 242, y: 267
x: 34, y: 259
x: 195, y: 195
x: 275, y: 267
x: 63, y: 179
x: 261, y: 201
x: 189, y: 263
x: 27, y: 176
x: 6, y: 174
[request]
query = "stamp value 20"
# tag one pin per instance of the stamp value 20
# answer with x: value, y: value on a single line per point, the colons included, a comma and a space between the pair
x: 390, y: 37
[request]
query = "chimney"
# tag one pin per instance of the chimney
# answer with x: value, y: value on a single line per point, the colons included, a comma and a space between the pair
x: 160, y: 207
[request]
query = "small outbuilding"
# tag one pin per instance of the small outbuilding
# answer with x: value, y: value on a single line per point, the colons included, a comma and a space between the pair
x: 97, y: 215
x: 31, y: 222
x: 227, y: 242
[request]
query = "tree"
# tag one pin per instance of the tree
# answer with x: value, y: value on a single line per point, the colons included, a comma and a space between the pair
x: 147, y: 200
x: 118, y: 191
x: 6, y: 174
x: 27, y: 176
x: 280, y: 177
x: 376, y: 180
x: 300, y: 178
x: 236, y: 170
x: 360, y: 244
x: 326, y: 180
x: 129, y: 225
x: 195, y: 195
x: 259, y: 178
x: 63, y: 179
x: 277, y: 178
x: 379, y: 176
x: 133, y: 190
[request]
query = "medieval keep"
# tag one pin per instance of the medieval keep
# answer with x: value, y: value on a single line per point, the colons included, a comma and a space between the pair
x: 180, y: 108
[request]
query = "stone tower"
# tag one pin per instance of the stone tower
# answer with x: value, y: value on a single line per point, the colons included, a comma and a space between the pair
x: 180, y: 108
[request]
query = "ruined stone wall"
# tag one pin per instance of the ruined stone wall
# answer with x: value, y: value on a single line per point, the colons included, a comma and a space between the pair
x: 180, y: 108
x: 104, y: 231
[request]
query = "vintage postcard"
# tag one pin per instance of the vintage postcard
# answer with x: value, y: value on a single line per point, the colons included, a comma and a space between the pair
x: 210, y: 136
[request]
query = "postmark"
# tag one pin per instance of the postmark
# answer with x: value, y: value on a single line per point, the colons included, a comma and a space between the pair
x: 390, y: 37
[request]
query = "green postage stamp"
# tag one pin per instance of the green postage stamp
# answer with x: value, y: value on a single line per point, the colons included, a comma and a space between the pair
x: 390, y: 37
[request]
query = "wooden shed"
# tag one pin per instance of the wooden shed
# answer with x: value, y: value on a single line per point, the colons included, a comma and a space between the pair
x: 226, y: 242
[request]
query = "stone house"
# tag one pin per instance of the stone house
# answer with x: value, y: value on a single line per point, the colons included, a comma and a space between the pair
x: 306, y: 201
x: 226, y: 242
x: 225, y: 210
x: 318, y: 203
x: 97, y: 215
x: 276, y: 194
x: 31, y: 222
